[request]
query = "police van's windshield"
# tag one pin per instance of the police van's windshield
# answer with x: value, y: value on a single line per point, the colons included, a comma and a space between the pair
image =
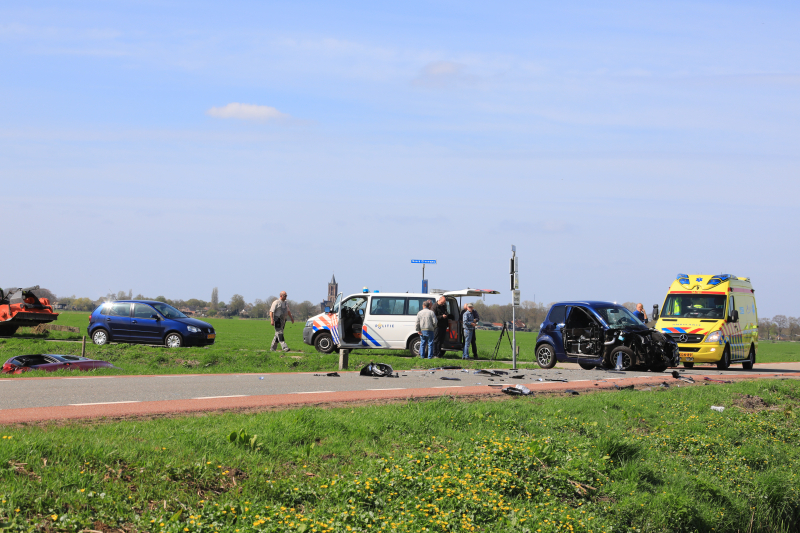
x: 694, y: 306
x: 618, y: 317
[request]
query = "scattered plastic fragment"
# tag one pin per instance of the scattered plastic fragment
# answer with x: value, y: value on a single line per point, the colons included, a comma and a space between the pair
x: 520, y: 376
x: 664, y: 384
x: 717, y: 408
x: 379, y: 370
x: 262, y: 377
x: 627, y: 387
x: 517, y: 390
x: 329, y: 374
x: 450, y: 379
x: 447, y: 368
x: 717, y: 380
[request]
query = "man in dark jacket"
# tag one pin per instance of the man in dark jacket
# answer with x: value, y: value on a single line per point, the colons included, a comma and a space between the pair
x: 474, y: 342
x: 443, y: 318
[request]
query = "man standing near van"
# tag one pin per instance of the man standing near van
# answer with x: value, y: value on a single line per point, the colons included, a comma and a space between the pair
x: 469, y: 329
x: 426, y: 325
x: 277, y: 317
x: 443, y: 320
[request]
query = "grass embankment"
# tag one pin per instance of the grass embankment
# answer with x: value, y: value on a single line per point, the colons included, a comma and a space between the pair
x: 243, y: 346
x: 659, y: 460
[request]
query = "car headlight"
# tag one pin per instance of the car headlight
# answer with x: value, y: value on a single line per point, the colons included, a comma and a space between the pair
x: 714, y: 337
x: 309, y: 323
x: 193, y: 329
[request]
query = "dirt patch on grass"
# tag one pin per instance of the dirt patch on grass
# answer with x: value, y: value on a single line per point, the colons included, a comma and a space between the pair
x: 750, y: 403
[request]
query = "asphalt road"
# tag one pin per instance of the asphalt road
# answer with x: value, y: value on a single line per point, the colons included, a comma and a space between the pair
x: 23, y: 399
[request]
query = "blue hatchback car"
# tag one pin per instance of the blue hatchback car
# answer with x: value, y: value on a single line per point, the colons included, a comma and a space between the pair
x: 601, y: 334
x: 147, y: 322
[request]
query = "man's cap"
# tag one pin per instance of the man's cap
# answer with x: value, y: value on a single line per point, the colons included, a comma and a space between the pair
x: 470, y: 305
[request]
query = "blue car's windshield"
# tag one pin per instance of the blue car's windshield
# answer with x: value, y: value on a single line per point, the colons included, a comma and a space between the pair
x: 618, y: 317
x: 167, y: 310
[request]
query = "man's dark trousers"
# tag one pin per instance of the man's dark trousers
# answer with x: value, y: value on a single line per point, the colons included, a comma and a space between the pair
x: 439, y: 336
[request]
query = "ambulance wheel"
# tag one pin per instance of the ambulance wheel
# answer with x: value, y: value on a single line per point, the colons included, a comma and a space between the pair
x: 725, y: 362
x: 586, y: 366
x: 688, y: 364
x: 546, y: 356
x: 751, y: 359
x: 324, y: 342
x: 413, y: 345
x: 627, y: 357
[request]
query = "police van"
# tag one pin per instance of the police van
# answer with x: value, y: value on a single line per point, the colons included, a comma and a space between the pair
x: 713, y: 319
x: 372, y: 320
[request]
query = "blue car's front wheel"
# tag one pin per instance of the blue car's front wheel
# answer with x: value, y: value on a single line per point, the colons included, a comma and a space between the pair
x: 546, y: 356
x: 173, y: 340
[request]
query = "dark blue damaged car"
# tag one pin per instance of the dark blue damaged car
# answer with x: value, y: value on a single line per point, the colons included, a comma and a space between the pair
x: 602, y: 334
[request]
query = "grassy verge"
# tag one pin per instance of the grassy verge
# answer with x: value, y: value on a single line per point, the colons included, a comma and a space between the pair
x: 659, y: 460
x: 243, y: 346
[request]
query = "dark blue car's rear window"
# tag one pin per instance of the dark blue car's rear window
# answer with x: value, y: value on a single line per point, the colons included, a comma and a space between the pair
x: 557, y: 314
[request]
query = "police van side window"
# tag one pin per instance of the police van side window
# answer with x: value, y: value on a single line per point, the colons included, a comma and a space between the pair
x: 387, y: 305
x: 415, y: 305
x: 557, y: 314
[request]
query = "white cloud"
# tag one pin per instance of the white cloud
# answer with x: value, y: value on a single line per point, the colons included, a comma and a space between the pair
x: 260, y: 113
x: 440, y: 74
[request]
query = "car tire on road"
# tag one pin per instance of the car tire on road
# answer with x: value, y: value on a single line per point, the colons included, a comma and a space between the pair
x: 413, y: 345
x: 627, y: 357
x: 173, y: 340
x: 587, y: 366
x: 100, y: 337
x: 546, y: 356
x: 725, y: 362
x: 688, y: 364
x: 751, y: 359
x: 324, y: 342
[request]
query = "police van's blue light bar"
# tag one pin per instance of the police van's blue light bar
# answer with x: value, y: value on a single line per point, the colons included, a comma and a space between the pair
x: 424, y: 261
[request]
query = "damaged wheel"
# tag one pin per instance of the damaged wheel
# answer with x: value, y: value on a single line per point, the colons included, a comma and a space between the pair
x: 626, y: 354
x: 546, y: 356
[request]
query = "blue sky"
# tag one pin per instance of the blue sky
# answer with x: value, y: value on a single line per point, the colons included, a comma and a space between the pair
x: 171, y: 147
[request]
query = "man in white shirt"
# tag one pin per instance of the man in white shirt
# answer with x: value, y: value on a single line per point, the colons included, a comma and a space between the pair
x: 277, y: 317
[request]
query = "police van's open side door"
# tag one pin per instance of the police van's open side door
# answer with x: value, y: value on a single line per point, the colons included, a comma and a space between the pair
x: 338, y: 335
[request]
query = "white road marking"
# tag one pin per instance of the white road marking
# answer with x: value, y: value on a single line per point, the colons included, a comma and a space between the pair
x: 395, y: 388
x: 212, y: 397
x: 312, y: 392
x: 104, y: 403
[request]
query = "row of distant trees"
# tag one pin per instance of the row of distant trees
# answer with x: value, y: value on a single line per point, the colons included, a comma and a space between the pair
x: 779, y: 327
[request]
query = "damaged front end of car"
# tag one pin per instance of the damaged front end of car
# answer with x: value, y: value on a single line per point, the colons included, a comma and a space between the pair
x: 629, y: 347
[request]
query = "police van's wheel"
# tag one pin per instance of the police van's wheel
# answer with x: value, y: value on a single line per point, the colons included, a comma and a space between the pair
x: 413, y: 345
x: 751, y: 359
x: 173, y: 340
x: 546, y: 356
x: 725, y: 362
x: 100, y: 337
x: 586, y: 366
x: 324, y: 342
x: 688, y: 364
x: 627, y: 357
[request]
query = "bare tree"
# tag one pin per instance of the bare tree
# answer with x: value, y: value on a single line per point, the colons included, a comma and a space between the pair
x: 781, y: 322
x: 764, y: 328
x: 305, y: 310
x: 794, y: 326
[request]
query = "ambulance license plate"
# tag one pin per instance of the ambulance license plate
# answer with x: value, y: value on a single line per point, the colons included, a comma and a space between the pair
x: 687, y: 357
x: 213, y: 335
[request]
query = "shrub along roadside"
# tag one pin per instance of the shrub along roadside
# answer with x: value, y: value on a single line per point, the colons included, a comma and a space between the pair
x: 658, y: 460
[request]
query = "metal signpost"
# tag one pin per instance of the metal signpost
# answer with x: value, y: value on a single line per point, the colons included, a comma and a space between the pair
x: 424, y: 262
x: 514, y: 269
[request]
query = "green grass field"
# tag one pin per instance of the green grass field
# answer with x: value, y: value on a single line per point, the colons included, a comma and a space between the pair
x: 243, y: 346
x: 658, y: 460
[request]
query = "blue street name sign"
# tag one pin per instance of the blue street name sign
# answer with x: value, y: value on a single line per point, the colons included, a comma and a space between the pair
x: 424, y: 261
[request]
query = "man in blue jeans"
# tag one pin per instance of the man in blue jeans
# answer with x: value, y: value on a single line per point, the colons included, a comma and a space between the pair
x: 426, y: 324
x: 469, y: 329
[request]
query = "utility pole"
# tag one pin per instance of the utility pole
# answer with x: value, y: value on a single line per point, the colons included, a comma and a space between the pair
x: 514, y: 269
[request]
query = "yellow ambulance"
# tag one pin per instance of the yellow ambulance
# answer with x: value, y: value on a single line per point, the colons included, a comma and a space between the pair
x: 712, y: 318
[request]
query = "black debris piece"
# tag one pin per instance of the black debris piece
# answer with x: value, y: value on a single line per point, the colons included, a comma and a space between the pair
x: 557, y: 379
x: 627, y: 387
x: 520, y: 376
x: 717, y: 380
x: 329, y: 374
x: 664, y: 384
x: 518, y: 390
x: 447, y: 368
x: 379, y: 370
x: 573, y: 392
x: 450, y: 379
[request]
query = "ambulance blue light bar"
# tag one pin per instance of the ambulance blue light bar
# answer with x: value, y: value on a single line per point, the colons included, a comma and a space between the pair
x: 424, y: 261
x: 683, y: 279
